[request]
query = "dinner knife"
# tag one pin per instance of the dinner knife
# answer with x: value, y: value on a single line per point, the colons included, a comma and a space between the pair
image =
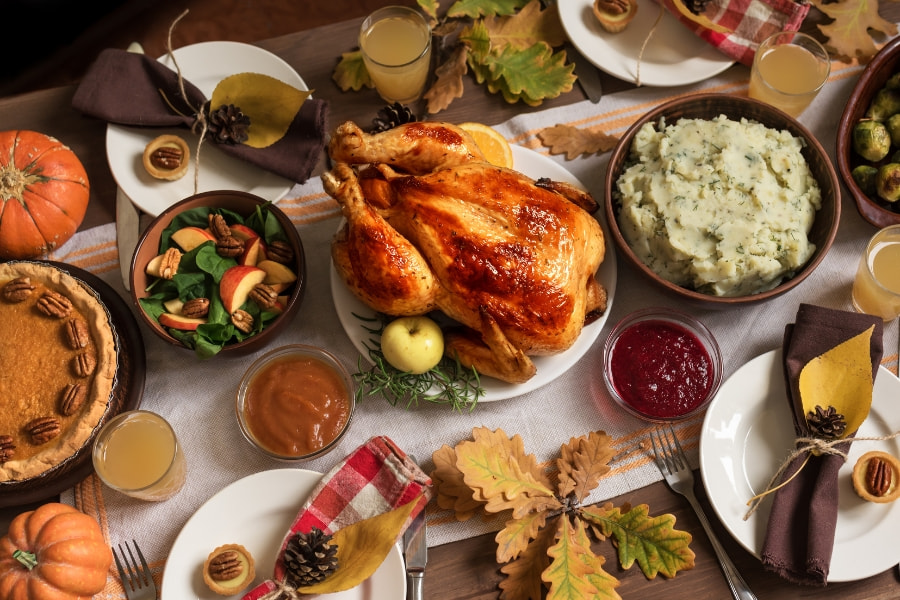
x: 415, y: 554
x: 588, y: 75
x: 128, y: 227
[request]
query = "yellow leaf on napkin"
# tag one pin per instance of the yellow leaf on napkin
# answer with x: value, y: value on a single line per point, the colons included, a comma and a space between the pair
x: 361, y: 548
x: 842, y: 378
x: 270, y: 103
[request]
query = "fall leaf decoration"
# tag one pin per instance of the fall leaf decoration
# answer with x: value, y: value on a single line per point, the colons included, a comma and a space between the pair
x: 546, y: 540
x: 574, y: 141
x: 848, y: 36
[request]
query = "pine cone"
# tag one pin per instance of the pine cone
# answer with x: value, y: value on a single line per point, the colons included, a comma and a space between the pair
x: 227, y: 124
x: 392, y: 116
x: 826, y: 423
x: 696, y: 6
x: 309, y: 558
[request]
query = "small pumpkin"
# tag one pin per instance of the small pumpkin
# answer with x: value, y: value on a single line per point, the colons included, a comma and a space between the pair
x: 44, y: 194
x: 54, y: 552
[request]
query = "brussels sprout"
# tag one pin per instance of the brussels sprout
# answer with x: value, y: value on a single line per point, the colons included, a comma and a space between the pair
x: 893, y: 82
x: 871, y: 140
x: 864, y: 176
x: 887, y: 182
x: 885, y: 103
x: 893, y: 127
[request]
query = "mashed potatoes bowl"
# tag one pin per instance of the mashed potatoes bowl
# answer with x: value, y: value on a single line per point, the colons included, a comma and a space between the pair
x: 637, y: 235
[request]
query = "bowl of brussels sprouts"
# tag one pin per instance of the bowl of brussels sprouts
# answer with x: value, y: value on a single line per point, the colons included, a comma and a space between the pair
x: 868, y: 139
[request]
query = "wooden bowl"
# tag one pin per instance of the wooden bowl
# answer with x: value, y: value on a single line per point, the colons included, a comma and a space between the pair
x: 244, y: 204
x: 882, y: 66
x: 709, y: 106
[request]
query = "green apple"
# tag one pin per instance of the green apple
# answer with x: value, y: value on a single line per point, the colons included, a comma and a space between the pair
x: 412, y: 344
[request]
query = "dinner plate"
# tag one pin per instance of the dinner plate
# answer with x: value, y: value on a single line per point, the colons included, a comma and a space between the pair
x: 204, y: 65
x: 260, y: 509
x: 534, y: 165
x: 126, y: 394
x: 747, y: 433
x: 674, y: 55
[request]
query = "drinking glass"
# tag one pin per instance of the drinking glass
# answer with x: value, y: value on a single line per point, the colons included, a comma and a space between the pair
x: 137, y: 453
x: 396, y: 49
x: 876, y: 289
x: 788, y: 70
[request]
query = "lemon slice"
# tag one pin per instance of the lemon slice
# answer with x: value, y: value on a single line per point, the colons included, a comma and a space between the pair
x: 493, y: 145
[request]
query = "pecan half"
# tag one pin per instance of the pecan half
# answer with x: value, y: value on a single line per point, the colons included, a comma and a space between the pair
x: 242, y: 320
x: 879, y: 475
x: 229, y: 246
x: 225, y: 566
x: 17, y: 289
x: 77, y: 334
x: 73, y: 396
x: 197, y: 308
x: 84, y: 364
x: 42, y: 429
x: 280, y: 251
x: 614, y: 7
x: 219, y: 227
x: 7, y: 448
x: 54, y: 304
x: 170, y: 260
x: 264, y: 295
x: 167, y: 157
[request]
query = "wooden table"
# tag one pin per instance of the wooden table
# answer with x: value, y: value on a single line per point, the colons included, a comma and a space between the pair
x: 464, y: 569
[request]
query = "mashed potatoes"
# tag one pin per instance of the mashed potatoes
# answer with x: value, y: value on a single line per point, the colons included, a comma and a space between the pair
x: 718, y: 206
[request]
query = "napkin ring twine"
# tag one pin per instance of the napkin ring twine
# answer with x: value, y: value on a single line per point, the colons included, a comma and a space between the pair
x: 810, y: 446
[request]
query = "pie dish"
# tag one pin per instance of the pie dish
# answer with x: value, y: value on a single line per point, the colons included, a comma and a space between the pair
x: 58, y: 337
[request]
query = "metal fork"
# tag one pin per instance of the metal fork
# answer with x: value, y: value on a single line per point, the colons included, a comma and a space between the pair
x: 672, y: 462
x: 136, y: 578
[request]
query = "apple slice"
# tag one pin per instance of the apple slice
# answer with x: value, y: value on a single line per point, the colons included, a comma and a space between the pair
x: 189, y: 238
x: 174, y: 305
x: 154, y: 265
x: 237, y: 283
x: 254, y: 251
x: 280, y: 305
x: 243, y: 233
x: 180, y: 321
x: 277, y: 273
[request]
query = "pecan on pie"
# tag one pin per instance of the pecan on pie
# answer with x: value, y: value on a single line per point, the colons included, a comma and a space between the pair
x: 57, y: 367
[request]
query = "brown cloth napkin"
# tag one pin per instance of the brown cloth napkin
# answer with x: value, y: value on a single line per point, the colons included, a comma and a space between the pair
x: 800, y: 534
x: 127, y: 88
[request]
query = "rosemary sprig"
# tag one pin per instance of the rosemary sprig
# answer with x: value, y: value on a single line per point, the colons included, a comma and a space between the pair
x: 447, y: 383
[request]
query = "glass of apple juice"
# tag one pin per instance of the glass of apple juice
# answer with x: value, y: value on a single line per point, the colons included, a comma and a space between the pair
x: 137, y: 453
x: 788, y: 70
x: 876, y: 289
x: 396, y: 48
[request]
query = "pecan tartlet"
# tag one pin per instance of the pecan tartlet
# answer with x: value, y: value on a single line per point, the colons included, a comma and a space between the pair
x: 167, y: 157
x: 615, y: 15
x: 876, y: 476
x: 229, y: 569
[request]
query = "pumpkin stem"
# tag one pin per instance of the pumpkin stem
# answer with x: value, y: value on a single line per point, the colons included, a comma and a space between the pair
x: 28, y: 559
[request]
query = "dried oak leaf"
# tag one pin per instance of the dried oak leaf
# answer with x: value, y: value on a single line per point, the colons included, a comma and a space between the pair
x: 527, y: 27
x: 582, y: 462
x: 448, y: 81
x: 603, y: 582
x: 574, y: 569
x: 479, y: 8
x: 516, y: 534
x: 521, y: 582
x: 429, y: 7
x: 452, y: 491
x: 351, y: 73
x: 531, y: 75
x: 575, y: 141
x: 848, y: 35
x: 651, y: 541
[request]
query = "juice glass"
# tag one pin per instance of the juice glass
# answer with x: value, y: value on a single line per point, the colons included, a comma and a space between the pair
x: 876, y: 289
x: 788, y: 70
x: 138, y: 454
x: 396, y: 49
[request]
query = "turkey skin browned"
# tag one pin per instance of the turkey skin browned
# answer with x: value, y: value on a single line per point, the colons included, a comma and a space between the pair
x: 431, y: 226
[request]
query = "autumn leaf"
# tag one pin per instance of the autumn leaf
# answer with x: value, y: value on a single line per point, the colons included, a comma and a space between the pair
x: 575, y: 141
x: 516, y: 534
x: 531, y: 75
x: 351, y: 72
x: 651, y: 541
x: 848, y: 36
x: 452, y: 491
x: 526, y: 28
x: 448, y: 82
x: 603, y: 582
x: 583, y: 461
x: 429, y: 7
x: 568, y: 571
x: 701, y: 20
x: 484, y: 8
x: 522, y: 582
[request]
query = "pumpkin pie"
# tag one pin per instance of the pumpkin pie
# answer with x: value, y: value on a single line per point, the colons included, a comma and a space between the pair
x: 57, y: 367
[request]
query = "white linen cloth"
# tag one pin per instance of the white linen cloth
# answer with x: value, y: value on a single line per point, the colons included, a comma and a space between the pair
x: 198, y: 397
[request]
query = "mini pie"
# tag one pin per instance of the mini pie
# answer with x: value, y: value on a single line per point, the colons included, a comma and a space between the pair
x: 58, y: 353
x: 614, y: 15
x: 229, y: 569
x: 166, y: 157
x: 876, y: 477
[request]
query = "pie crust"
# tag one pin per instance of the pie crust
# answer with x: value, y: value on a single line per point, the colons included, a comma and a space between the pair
x: 229, y: 587
x: 860, y: 469
x: 39, y: 361
x: 173, y: 166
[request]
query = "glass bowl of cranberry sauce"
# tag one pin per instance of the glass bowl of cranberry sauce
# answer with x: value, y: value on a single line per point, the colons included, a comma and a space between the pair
x: 662, y: 365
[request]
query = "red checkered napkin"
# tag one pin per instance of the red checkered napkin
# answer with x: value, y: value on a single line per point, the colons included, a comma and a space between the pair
x: 375, y: 478
x: 750, y: 22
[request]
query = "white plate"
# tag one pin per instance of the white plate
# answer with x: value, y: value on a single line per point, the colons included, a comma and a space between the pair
x: 549, y: 368
x: 747, y: 433
x: 204, y: 65
x: 675, y: 55
x: 260, y: 509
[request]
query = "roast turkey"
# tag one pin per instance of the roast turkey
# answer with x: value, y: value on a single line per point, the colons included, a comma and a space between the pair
x: 430, y: 226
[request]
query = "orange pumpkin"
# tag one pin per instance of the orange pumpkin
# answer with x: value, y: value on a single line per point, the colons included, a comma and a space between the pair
x: 44, y: 194
x: 54, y: 552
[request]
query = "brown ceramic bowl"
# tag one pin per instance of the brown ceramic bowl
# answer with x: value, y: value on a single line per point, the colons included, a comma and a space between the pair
x: 709, y: 106
x: 243, y: 204
x: 882, y: 66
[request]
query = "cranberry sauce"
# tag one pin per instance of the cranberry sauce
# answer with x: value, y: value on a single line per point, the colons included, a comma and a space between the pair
x: 661, y: 369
